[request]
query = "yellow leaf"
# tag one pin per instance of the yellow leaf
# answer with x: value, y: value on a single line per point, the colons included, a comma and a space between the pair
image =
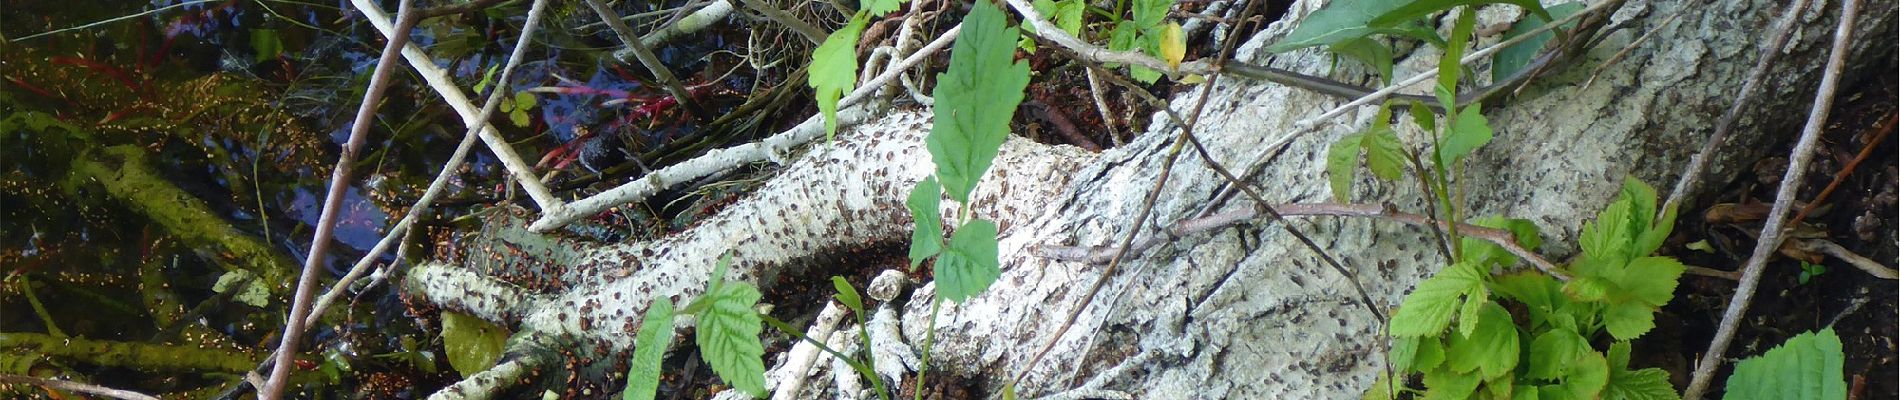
x: 1173, y: 45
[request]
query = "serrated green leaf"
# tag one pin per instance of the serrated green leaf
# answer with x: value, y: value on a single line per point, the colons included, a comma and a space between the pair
x: 927, y: 239
x: 970, y: 263
x: 1512, y: 59
x: 1336, y: 21
x: 649, y: 349
x: 1416, y: 9
x: 1587, y: 376
x: 1385, y: 156
x: 1475, y: 301
x: 472, y: 344
x: 1367, y: 51
x: 1587, y: 288
x: 1427, y: 311
x: 878, y: 8
x: 847, y: 294
x: 1807, y: 366
x: 1467, y: 133
x: 1342, y: 159
x: 524, y: 100
x: 728, y: 337
x: 1448, y: 385
x: 1423, y: 116
x: 976, y: 98
x: 519, y: 117
x: 1500, y: 386
x: 1483, y: 252
x: 1150, y: 13
x: 1628, y: 320
x: 1069, y: 15
x: 1553, y: 351
x: 1650, y: 280
x: 834, y: 71
x: 1491, y: 348
x: 1645, y: 384
x: 1608, y: 237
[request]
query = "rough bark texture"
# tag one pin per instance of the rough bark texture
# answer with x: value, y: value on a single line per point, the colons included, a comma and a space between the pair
x: 1240, y: 313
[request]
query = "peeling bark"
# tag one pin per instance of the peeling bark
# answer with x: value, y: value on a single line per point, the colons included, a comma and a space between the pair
x: 1241, y: 313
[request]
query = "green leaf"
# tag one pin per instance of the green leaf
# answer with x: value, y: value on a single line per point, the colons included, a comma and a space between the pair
x: 1587, y: 288
x: 524, y: 100
x: 472, y: 344
x: 1649, y: 233
x: 1467, y: 133
x: 1512, y: 59
x: 1553, y: 351
x: 1404, y: 351
x: 1448, y: 385
x: 1628, y: 321
x: 976, y: 98
x: 728, y: 337
x: 1342, y: 159
x: 1449, y: 68
x: 1427, y: 311
x: 1650, y: 280
x: 649, y: 349
x: 1420, y: 8
x: 1335, y: 22
x: 1608, y: 238
x: 1807, y: 366
x: 970, y: 264
x: 1483, y: 252
x: 1069, y: 15
x: 1369, y: 52
x: 1587, y: 376
x: 1491, y: 348
x: 519, y: 117
x: 927, y: 239
x: 878, y: 8
x: 266, y: 43
x: 1423, y: 116
x: 1385, y: 156
x: 1645, y: 384
x: 487, y: 77
x: 847, y: 295
x: 834, y: 71
x: 1475, y: 302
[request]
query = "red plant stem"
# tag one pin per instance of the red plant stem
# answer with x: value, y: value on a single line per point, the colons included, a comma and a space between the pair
x: 332, y: 203
x: 1884, y: 128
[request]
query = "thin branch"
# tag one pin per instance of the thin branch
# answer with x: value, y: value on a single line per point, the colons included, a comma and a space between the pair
x: 1217, y: 221
x: 333, y: 203
x: 112, y: 20
x: 1881, y: 131
x: 439, y: 80
x: 1865, y: 264
x: 1772, y: 230
x: 1784, y: 29
x: 811, y: 33
x: 75, y: 387
x: 437, y: 186
x: 646, y: 57
x: 722, y: 159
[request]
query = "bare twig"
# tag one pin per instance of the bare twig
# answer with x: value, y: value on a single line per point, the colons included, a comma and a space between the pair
x: 439, y: 80
x: 811, y: 33
x: 448, y: 169
x: 1841, y: 253
x: 1772, y: 230
x: 722, y: 159
x: 1880, y: 134
x: 75, y: 387
x: 1101, y: 106
x: 1784, y: 28
x: 333, y: 203
x: 113, y: 19
x: 646, y: 57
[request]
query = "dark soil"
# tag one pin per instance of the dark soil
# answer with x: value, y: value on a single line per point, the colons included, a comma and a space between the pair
x: 1859, y: 215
